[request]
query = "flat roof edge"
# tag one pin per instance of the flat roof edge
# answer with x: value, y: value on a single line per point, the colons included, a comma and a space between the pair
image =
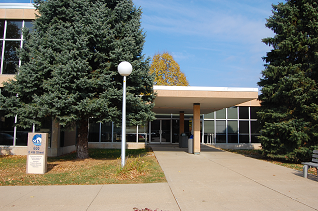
x: 200, y: 88
x: 17, y: 6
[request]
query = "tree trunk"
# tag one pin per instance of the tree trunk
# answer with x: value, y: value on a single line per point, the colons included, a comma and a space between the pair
x: 82, y: 139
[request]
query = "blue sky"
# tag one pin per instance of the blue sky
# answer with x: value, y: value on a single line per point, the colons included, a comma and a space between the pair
x: 216, y: 42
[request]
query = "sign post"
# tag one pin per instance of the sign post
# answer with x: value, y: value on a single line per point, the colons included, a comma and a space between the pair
x: 37, y: 153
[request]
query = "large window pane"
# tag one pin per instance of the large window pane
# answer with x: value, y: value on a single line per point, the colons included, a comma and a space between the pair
x: 209, y: 116
x: 209, y: 127
x: 107, y: 132
x: 244, y: 139
x: 244, y: 128
x: 131, y: 132
x: 255, y: 139
x: 253, y: 112
x: 255, y: 127
x: 220, y: 138
x: 175, y: 131
x: 93, y: 131
x: 232, y: 138
x: 232, y: 113
x: 1, y: 29
x: 22, y: 136
x: 220, y: 127
x: 243, y: 112
x: 221, y: 114
x: 13, y: 29
x: 6, y: 129
x: 28, y: 24
x: 232, y: 126
x: 11, y: 60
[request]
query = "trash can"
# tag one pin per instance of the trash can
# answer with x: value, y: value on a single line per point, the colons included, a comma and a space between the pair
x: 190, y: 144
x: 183, y: 141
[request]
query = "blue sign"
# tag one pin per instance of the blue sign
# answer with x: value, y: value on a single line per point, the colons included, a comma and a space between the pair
x: 37, y: 139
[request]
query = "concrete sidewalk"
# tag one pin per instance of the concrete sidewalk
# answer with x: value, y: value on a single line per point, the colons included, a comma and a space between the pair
x: 218, y: 180
x: 213, y: 180
x: 87, y: 197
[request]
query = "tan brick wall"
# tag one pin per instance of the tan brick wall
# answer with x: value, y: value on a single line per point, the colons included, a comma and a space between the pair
x: 17, y: 14
x: 4, y: 78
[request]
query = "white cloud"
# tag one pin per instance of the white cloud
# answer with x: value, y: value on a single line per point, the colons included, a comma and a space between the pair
x: 196, y: 20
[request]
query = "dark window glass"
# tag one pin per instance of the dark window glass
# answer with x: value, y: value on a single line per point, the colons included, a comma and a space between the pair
x: 1, y: 42
x: 255, y: 127
x: 11, y: 60
x: 22, y: 136
x: 93, y: 131
x: 13, y: 29
x: 6, y: 129
x: 175, y: 132
x: 208, y: 138
x: 220, y: 138
x: 107, y: 132
x: 244, y: 139
x: 253, y: 112
x: 244, y: 128
x: 255, y: 139
x: 243, y: 112
x: 232, y: 138
x: 1, y: 29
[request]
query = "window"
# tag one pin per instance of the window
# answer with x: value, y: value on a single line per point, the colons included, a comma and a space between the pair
x: 11, y: 39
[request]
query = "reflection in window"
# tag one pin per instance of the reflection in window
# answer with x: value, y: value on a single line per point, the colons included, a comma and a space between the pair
x: 220, y: 127
x: 232, y: 113
x: 11, y: 60
x: 209, y: 116
x: 232, y: 126
x: 221, y: 114
x: 209, y: 127
x: 28, y: 24
x: 14, y: 29
x: 10, y: 41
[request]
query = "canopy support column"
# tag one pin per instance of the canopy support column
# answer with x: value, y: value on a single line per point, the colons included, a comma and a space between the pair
x: 196, y: 128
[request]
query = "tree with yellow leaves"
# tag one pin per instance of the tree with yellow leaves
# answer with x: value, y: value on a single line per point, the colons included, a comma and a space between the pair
x: 167, y: 71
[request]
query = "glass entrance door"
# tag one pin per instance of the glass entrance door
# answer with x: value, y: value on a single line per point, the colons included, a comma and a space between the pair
x: 161, y: 131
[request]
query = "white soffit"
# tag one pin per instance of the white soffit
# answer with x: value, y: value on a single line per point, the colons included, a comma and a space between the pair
x: 173, y: 99
x: 16, y: 6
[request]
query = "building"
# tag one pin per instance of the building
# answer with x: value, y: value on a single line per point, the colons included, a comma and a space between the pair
x: 225, y: 117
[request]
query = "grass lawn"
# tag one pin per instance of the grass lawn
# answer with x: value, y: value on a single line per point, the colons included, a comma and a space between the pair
x: 257, y: 154
x: 103, y: 167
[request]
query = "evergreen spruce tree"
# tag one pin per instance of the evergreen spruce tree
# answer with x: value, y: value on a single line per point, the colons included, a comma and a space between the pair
x: 69, y: 69
x: 289, y: 99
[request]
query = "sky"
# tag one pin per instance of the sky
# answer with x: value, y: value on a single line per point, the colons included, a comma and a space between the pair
x: 217, y: 43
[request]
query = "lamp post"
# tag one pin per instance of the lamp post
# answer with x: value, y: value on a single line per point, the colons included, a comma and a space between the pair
x: 124, y: 69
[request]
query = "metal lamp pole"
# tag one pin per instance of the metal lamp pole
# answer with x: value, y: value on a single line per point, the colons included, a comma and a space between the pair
x: 124, y: 69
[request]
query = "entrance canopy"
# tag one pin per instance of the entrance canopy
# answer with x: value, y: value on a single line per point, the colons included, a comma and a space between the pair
x: 173, y: 99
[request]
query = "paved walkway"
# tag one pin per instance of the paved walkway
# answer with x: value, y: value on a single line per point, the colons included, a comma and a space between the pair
x: 218, y: 180
x: 213, y: 180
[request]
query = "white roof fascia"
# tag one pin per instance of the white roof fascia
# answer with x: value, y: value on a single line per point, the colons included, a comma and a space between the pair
x: 17, y: 6
x: 200, y: 88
